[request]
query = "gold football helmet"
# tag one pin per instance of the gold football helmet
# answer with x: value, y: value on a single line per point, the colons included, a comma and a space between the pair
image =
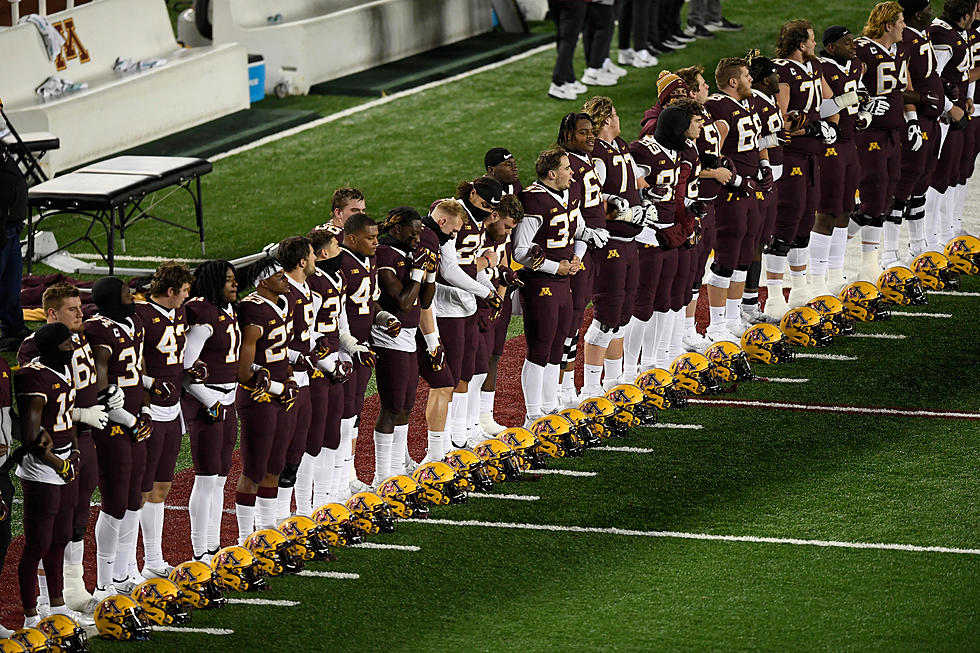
x: 527, y: 447
x: 582, y: 424
x: 863, y: 302
x: 471, y: 472
x: 307, y: 538
x: 161, y: 601
x: 694, y: 373
x: 198, y: 585
x: 237, y: 569
x: 12, y: 646
x: 120, y: 617
x: 404, y: 496
x: 628, y: 400
x: 272, y: 551
x: 370, y: 514
x: 803, y: 326
x: 833, y: 313
x: 502, y: 461
x: 898, y: 285
x: 556, y: 436
x: 602, y: 412
x: 32, y: 639
x: 64, y: 634
x: 439, y: 482
x: 338, y: 522
x: 660, y: 389
x: 963, y: 253
x: 765, y: 343
x: 731, y: 363
x: 935, y: 271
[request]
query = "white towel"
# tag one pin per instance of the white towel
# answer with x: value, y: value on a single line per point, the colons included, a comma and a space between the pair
x: 53, y: 40
x: 54, y: 87
x: 124, y: 66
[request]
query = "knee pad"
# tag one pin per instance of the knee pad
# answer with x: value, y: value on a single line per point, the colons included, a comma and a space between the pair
x: 78, y: 534
x: 287, y: 478
x: 719, y: 275
x: 599, y: 334
x: 801, y: 242
x: 778, y: 247
x: 876, y: 221
x: 798, y: 256
x: 740, y: 275
x: 860, y: 219
x: 897, y: 213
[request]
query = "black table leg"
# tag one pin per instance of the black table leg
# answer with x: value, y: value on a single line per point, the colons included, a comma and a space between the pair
x: 199, y: 209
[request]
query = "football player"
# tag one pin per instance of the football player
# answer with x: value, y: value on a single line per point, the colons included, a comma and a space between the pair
x: 344, y: 203
x: 401, y: 274
x: 880, y: 145
x: 116, y: 336
x: 266, y: 391
x: 62, y: 303
x: 165, y: 326
x: 500, y: 164
x: 552, y: 227
x: 46, y: 398
x: 441, y: 226
x: 208, y: 405
x: 839, y: 165
x: 296, y: 257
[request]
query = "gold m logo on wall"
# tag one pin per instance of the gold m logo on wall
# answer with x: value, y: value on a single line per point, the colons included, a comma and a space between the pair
x: 73, y: 47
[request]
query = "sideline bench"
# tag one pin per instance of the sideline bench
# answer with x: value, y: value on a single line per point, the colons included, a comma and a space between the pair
x: 117, y: 112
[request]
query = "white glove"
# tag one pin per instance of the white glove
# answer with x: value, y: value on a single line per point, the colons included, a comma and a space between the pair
x: 96, y: 416
x: 596, y: 238
x: 114, y: 397
x: 828, y: 132
x: 864, y: 119
x: 623, y: 211
x: 122, y: 416
x: 915, y: 135
x: 636, y: 215
x: 876, y: 105
x: 651, y: 215
x: 848, y: 99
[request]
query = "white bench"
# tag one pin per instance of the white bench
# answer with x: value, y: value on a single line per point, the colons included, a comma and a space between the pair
x: 312, y: 41
x: 117, y: 112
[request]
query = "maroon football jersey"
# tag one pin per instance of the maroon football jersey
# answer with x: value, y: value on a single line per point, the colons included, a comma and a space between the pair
x: 125, y: 345
x: 35, y: 379
x: 276, y: 324
x: 362, y: 292
x: 620, y: 181
x: 741, y: 145
x: 772, y: 123
x: 220, y: 352
x: 586, y: 186
x: 6, y: 384
x: 957, y: 69
x: 164, y: 336
x: 973, y: 41
x: 886, y: 74
x: 328, y: 291
x: 708, y: 143
x: 843, y: 79
x: 923, y: 76
x: 559, y: 214
x: 805, y: 96
x: 392, y: 259
x: 301, y: 305
x: 513, y: 189
x: 662, y: 169
x: 82, y: 367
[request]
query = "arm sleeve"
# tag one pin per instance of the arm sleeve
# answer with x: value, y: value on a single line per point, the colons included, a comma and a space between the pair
x: 580, y: 245
x: 197, y: 335
x: 451, y: 272
x: 600, y: 170
x: 523, y: 238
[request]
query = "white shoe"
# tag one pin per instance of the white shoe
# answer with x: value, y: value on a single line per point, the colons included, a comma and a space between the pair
x: 410, y: 466
x: 43, y: 608
x: 713, y: 27
x: 74, y: 592
x: 206, y: 557
x: 489, y: 424
x: 643, y: 59
x: 889, y: 258
x: 125, y: 586
x: 754, y: 315
x: 611, y: 68
x: 799, y: 296
x: 870, y: 271
x: 529, y: 419
x: 819, y: 287
x: 599, y: 77
x: 32, y: 622
x: 157, y: 572
x: 694, y: 341
x: 776, y: 305
x: 625, y: 57
x: 101, y: 593
x: 5, y: 632
x: 588, y: 393
x: 718, y: 333
x: 737, y: 327
x: 836, y: 281
x: 578, y: 87
x: 83, y: 620
x: 561, y: 92
x: 474, y: 438
x: 356, y: 485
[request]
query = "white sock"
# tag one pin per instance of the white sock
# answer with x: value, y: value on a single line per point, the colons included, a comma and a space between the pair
x: 284, y: 504
x: 549, y: 394
x: 838, y: 246
x: 217, y: 512
x: 304, y: 485
x: 716, y: 315
x: 633, y: 343
x: 731, y: 308
x: 42, y: 586
x: 613, y: 368
x: 677, y: 333
x: 246, y: 520
x: 689, y: 324
x: 820, y: 252
x: 322, y: 473
x: 917, y: 235
x: 128, y: 531
x: 664, y: 333
x: 593, y: 377
x: 74, y: 552
x: 151, y: 521
x: 338, y: 481
x: 199, y: 509
x: 532, y: 380
x: 399, y: 450
x: 382, y: 456
x: 486, y: 402
x: 457, y: 418
x: 436, y: 448
x: 568, y: 382
x: 870, y: 238
x: 265, y: 511
x: 650, y: 329
x: 347, y: 439
x: 889, y: 237
x: 473, y: 402
x: 106, y: 545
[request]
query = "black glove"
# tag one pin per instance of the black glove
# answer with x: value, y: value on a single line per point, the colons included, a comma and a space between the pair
x: 494, y: 302
x: 289, y: 393
x: 437, y: 357
x: 162, y: 390
x: 198, y: 372
x: 320, y: 349
x: 214, y: 414
x: 68, y: 466
x: 258, y: 385
x: 536, y: 254
x: 508, y: 277
x: 341, y: 372
x: 143, y: 428
x: 765, y: 179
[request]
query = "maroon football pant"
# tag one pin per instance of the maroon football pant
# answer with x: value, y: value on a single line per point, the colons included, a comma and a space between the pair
x: 617, y: 278
x: 798, y: 190
x: 48, y: 517
x: 651, y: 263
x: 121, y: 466
x: 500, y: 325
x: 547, y: 304
x: 459, y: 339
x: 263, y: 436
x: 441, y: 378
x: 297, y: 421
x: 581, y: 284
x: 161, y: 453
x: 733, y: 239
x: 354, y: 390
x: 918, y: 167
x: 87, y: 478
x: 397, y: 376
x: 767, y: 212
x: 880, y: 156
x: 840, y: 171
x: 212, y: 445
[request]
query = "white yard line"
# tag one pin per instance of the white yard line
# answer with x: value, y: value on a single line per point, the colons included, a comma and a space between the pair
x: 203, y: 631
x: 776, y: 379
x: 914, y: 548
x: 883, y: 336
x: 954, y: 293
x: 856, y: 410
x: 668, y: 425
x: 272, y: 602
x: 908, y: 314
x: 299, y: 129
x: 392, y: 547
x: 338, y: 575
x: 141, y: 259
x: 508, y: 497
x: 826, y: 357
x: 625, y: 449
x: 561, y: 472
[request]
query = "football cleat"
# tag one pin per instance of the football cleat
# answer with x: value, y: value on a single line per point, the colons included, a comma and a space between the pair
x: 765, y: 343
x: 804, y: 326
x: 694, y: 374
x: 528, y: 451
x: 32, y: 639
x: 370, y: 514
x: 556, y: 437
x: 660, y: 389
x: 307, y: 538
x: 338, y: 526
x: 120, y: 617
x: 833, y: 314
x: 237, y: 569
x: 628, y: 400
x: 198, y: 585
x: 731, y: 363
x: 64, y: 634
x: 582, y: 424
x: 863, y: 302
x: 162, y: 602
x: 440, y: 485
x: 404, y: 496
x: 272, y: 551
x: 935, y: 271
x: 963, y: 253
x: 501, y: 459
x: 898, y: 285
x: 471, y: 472
x: 601, y: 411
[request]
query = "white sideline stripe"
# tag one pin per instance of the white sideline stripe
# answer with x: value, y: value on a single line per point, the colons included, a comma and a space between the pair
x: 510, y: 497
x: 299, y: 129
x: 885, y: 336
x: 858, y: 410
x: 393, y: 547
x: 227, y: 511
x: 561, y: 472
x: 273, y: 602
x: 827, y: 357
x: 203, y: 631
x: 954, y: 293
x: 625, y: 449
x: 668, y: 425
x: 777, y: 379
x: 907, y: 314
x: 339, y: 575
x: 914, y: 548
x: 147, y: 259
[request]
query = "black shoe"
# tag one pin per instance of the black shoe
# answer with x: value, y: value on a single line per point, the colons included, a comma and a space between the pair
x: 670, y: 46
x: 655, y: 49
x: 702, y: 33
x: 681, y: 37
x: 729, y: 26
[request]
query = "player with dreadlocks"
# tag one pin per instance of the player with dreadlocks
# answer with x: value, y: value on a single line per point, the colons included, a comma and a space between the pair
x: 208, y: 403
x: 401, y: 274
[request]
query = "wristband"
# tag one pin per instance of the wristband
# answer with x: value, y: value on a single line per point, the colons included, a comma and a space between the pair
x: 430, y: 277
x: 910, y: 116
x: 148, y: 382
x: 431, y: 340
x: 416, y: 275
x: 764, y: 163
x: 276, y: 388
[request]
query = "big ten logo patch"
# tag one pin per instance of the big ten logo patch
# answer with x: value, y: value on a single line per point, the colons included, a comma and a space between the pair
x: 73, y: 47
